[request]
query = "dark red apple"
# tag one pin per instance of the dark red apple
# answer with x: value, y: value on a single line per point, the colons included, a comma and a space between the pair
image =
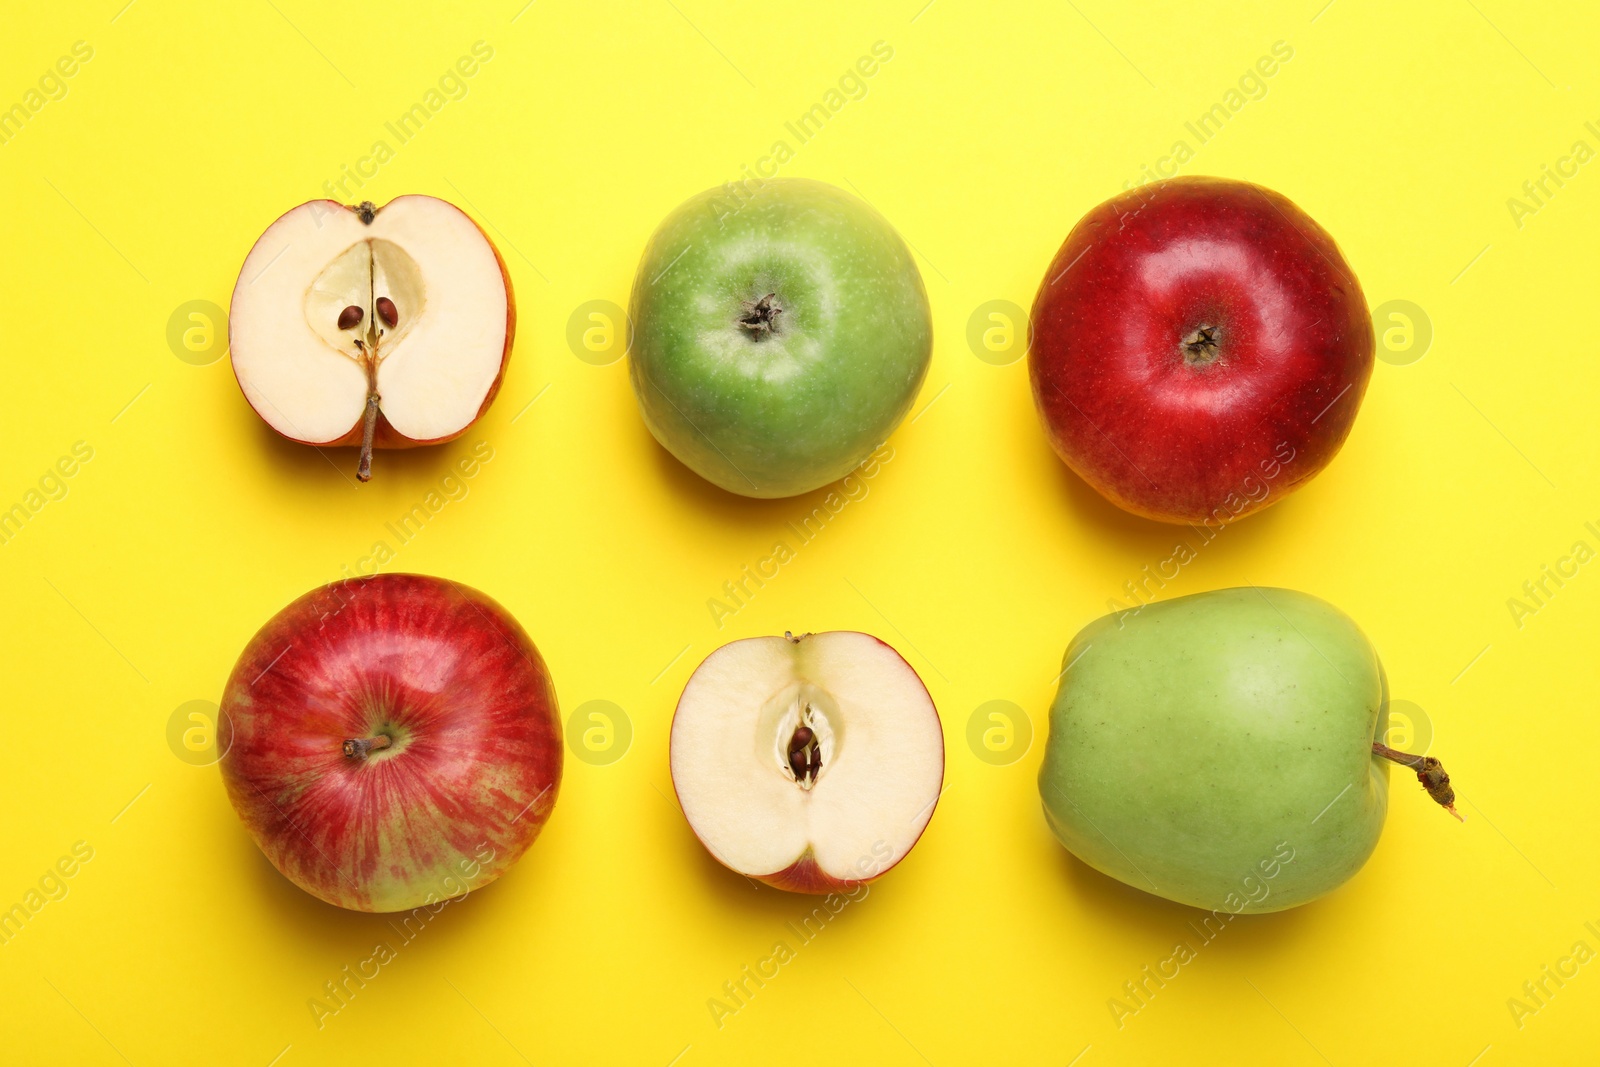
x: 1200, y: 349
x: 391, y: 741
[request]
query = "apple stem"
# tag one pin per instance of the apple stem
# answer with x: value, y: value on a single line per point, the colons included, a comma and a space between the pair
x: 369, y: 426
x: 1430, y: 772
x: 357, y: 748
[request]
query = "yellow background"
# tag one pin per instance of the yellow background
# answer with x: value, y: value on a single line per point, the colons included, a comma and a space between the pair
x: 1402, y: 128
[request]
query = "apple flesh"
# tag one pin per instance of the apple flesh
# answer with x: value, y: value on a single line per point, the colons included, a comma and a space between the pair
x: 1200, y: 349
x: 1223, y: 749
x: 379, y: 327
x: 779, y: 338
x: 809, y: 763
x: 391, y: 741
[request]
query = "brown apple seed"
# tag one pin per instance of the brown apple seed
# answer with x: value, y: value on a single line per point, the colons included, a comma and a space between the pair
x: 805, y: 758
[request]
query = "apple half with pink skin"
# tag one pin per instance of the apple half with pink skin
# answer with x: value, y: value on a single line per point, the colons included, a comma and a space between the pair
x: 809, y: 763
x: 391, y: 741
x: 380, y: 327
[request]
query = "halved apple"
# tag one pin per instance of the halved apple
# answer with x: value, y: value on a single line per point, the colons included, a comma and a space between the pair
x: 380, y: 327
x: 810, y: 763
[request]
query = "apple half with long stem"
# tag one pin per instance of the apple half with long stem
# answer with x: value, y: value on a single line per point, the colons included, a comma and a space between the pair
x: 391, y: 741
x: 809, y: 763
x: 380, y: 327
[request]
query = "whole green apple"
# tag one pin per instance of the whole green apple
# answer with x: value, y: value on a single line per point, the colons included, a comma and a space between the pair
x: 780, y: 335
x: 1220, y: 749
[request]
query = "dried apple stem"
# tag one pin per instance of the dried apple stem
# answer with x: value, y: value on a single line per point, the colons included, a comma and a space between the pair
x: 369, y: 363
x: 357, y: 748
x: 369, y: 426
x: 1430, y: 772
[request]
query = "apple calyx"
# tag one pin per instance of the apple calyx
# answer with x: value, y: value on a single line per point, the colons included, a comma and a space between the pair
x: 357, y: 748
x: 760, y: 317
x: 1430, y: 772
x: 1201, y: 347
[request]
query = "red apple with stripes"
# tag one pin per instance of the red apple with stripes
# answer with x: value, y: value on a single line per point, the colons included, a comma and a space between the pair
x: 1199, y: 349
x: 391, y: 741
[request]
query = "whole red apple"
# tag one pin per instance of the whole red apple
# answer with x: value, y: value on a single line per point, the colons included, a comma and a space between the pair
x: 1200, y: 348
x: 391, y: 741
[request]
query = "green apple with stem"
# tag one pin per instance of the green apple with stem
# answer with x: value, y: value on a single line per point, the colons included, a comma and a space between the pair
x: 1224, y: 749
x: 780, y: 335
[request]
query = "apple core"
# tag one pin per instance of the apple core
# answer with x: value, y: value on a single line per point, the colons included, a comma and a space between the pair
x: 805, y: 738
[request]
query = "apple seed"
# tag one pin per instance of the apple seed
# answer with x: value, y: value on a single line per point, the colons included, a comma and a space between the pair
x: 805, y: 756
x: 350, y: 317
x: 386, y: 311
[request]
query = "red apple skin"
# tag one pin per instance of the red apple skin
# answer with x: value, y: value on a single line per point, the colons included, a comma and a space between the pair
x: 469, y: 780
x: 804, y: 876
x: 1120, y: 400
x: 385, y: 435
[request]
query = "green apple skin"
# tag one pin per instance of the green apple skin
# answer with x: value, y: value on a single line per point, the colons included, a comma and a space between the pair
x: 781, y: 413
x: 1196, y: 742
